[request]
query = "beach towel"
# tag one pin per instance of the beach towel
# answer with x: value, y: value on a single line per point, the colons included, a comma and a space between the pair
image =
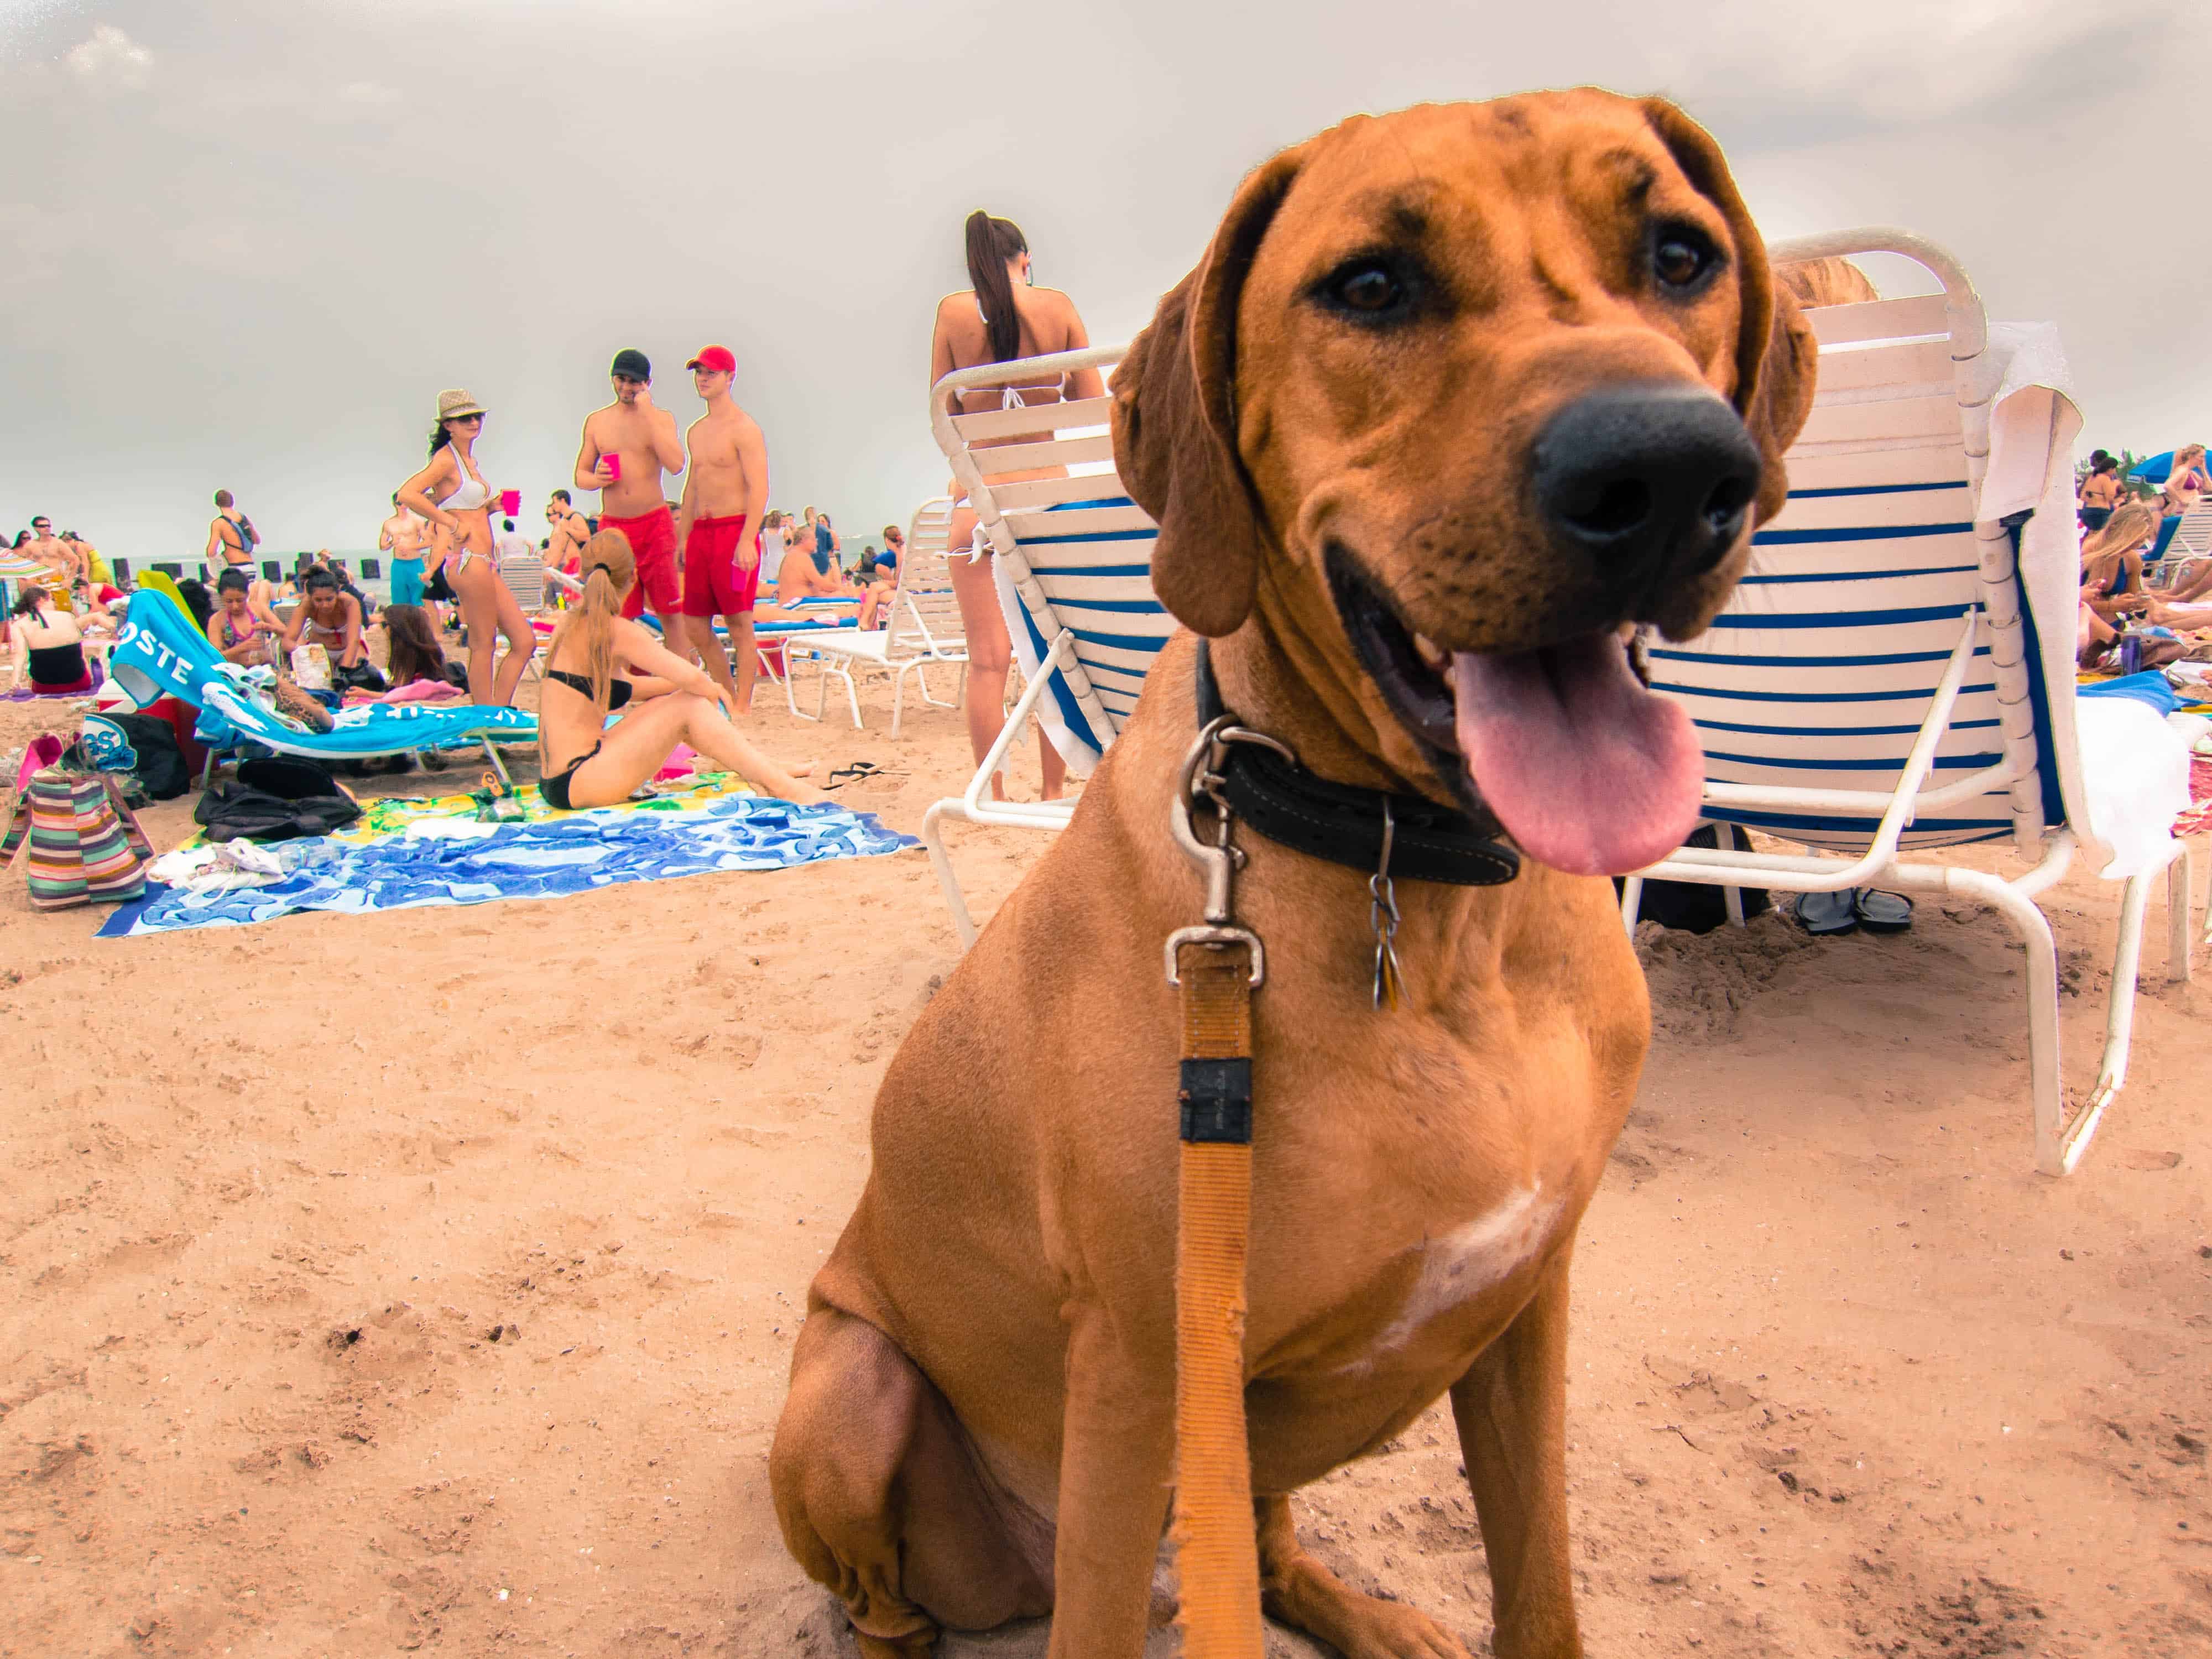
x: 385, y: 815
x: 2150, y: 687
x: 2198, y: 818
x: 539, y: 858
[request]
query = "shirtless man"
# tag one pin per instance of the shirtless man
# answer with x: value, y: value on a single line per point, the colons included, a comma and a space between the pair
x: 567, y: 532
x: 402, y: 537
x: 642, y: 443
x: 725, y: 494
x: 800, y: 578
x: 57, y: 555
x: 230, y: 537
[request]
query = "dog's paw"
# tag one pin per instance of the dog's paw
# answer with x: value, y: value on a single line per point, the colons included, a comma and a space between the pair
x: 1400, y: 1633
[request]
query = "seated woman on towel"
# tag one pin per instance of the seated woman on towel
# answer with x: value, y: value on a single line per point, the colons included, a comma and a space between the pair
x: 49, y: 643
x: 583, y: 762
x: 415, y: 661
x: 330, y: 617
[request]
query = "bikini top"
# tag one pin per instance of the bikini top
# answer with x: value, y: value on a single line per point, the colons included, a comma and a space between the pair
x: 617, y: 691
x: 473, y: 492
x: 1011, y: 397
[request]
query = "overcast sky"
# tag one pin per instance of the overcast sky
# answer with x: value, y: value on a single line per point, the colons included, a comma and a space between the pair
x: 246, y: 244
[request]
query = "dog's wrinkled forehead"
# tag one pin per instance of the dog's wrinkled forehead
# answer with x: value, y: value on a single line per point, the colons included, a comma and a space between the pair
x: 1538, y: 201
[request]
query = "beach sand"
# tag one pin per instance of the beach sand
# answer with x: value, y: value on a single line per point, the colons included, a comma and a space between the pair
x: 427, y: 1280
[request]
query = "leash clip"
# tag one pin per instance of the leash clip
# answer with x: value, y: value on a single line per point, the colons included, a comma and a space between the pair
x: 1218, y: 863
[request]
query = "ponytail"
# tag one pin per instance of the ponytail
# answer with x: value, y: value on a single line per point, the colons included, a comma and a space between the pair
x: 608, y: 569
x: 439, y: 438
x: 990, y: 244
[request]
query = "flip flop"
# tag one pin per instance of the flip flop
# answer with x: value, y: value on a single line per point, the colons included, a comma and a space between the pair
x: 853, y: 774
x: 1881, y: 913
x: 1824, y: 913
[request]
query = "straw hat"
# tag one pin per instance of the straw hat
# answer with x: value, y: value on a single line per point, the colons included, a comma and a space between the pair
x: 453, y: 405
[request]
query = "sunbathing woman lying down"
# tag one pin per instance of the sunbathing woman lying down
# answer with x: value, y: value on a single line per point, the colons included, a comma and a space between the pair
x: 581, y: 765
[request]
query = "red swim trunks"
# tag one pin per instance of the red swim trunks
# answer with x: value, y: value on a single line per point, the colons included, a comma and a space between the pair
x: 653, y: 543
x: 714, y: 585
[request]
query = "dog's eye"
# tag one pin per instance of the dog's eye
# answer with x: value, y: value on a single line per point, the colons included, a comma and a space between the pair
x: 1680, y: 258
x: 1367, y: 289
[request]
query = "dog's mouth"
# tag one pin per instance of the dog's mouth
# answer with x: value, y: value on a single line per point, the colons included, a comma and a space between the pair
x: 1587, y: 770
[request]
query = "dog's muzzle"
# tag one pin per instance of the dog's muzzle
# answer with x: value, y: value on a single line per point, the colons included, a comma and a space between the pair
x: 1649, y: 483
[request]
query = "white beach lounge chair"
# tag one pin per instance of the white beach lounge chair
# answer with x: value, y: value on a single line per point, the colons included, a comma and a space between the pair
x: 1074, y: 566
x: 922, y: 627
x: 1896, y: 671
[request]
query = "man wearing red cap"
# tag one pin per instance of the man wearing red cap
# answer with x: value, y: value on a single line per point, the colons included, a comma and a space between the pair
x: 725, y: 495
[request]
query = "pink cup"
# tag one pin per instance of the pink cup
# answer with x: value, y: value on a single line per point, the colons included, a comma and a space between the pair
x: 510, y: 502
x: 613, y: 463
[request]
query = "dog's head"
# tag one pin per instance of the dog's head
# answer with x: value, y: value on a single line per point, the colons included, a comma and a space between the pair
x: 1453, y: 395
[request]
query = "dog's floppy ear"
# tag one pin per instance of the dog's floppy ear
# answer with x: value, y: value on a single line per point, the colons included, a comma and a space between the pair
x: 1776, y: 356
x: 1175, y: 422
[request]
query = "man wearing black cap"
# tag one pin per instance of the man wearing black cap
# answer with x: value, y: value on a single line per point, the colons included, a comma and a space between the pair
x: 628, y: 446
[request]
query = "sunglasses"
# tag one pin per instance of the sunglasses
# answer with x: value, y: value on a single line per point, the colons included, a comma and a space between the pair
x: 466, y: 420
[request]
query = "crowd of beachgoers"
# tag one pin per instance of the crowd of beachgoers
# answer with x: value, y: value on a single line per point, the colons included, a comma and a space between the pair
x: 2145, y: 601
x: 645, y: 610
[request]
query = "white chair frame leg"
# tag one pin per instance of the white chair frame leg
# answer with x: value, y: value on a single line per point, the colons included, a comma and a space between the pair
x: 975, y: 807
x: 824, y: 667
x: 921, y: 688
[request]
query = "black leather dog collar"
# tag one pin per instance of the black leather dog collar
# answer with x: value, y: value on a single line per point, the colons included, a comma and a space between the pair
x: 1343, y: 823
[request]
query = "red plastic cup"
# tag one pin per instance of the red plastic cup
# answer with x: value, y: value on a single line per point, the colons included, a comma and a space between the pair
x: 510, y: 502
x: 613, y: 464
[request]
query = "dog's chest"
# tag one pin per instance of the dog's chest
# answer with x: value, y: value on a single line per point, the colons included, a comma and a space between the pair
x: 1460, y: 1267
x: 1429, y: 1302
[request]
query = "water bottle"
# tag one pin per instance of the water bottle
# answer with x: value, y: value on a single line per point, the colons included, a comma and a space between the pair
x: 2130, y: 652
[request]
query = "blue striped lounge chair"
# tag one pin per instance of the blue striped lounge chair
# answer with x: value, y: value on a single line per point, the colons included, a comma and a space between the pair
x: 920, y: 626
x: 1877, y: 686
x: 160, y: 650
x: 1074, y: 558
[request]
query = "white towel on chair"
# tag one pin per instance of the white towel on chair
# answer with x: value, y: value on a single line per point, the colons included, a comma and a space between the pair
x: 2135, y: 774
x: 2033, y: 423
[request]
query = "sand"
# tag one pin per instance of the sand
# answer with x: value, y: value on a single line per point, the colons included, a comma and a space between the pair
x: 427, y: 1280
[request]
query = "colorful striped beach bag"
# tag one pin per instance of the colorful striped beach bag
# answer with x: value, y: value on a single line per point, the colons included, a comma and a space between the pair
x: 85, y: 843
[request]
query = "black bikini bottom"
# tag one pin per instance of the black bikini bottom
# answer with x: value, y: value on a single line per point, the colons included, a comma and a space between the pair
x: 554, y: 791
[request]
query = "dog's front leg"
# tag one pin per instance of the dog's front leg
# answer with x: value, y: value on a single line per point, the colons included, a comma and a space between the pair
x: 1511, y: 1408
x: 1117, y: 1462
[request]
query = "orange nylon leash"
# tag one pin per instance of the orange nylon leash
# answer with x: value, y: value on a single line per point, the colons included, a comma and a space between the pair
x: 1217, y: 1559
x: 1215, y: 967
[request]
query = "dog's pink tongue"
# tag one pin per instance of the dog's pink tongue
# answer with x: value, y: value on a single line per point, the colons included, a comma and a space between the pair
x: 1591, y: 773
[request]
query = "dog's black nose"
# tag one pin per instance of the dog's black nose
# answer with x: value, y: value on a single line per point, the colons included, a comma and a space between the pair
x: 1650, y: 480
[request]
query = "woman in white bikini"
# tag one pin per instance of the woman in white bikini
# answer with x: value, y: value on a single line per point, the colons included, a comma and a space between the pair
x: 460, y: 564
x: 584, y: 761
x: 1002, y: 317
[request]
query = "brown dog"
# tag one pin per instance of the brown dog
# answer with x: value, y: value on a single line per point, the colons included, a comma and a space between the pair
x: 1455, y: 395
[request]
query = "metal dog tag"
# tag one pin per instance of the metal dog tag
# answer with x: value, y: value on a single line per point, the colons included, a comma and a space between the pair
x: 1382, y: 915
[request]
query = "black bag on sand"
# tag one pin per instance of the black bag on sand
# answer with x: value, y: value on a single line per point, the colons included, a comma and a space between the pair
x: 1691, y: 907
x: 276, y: 800
x: 160, y: 770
